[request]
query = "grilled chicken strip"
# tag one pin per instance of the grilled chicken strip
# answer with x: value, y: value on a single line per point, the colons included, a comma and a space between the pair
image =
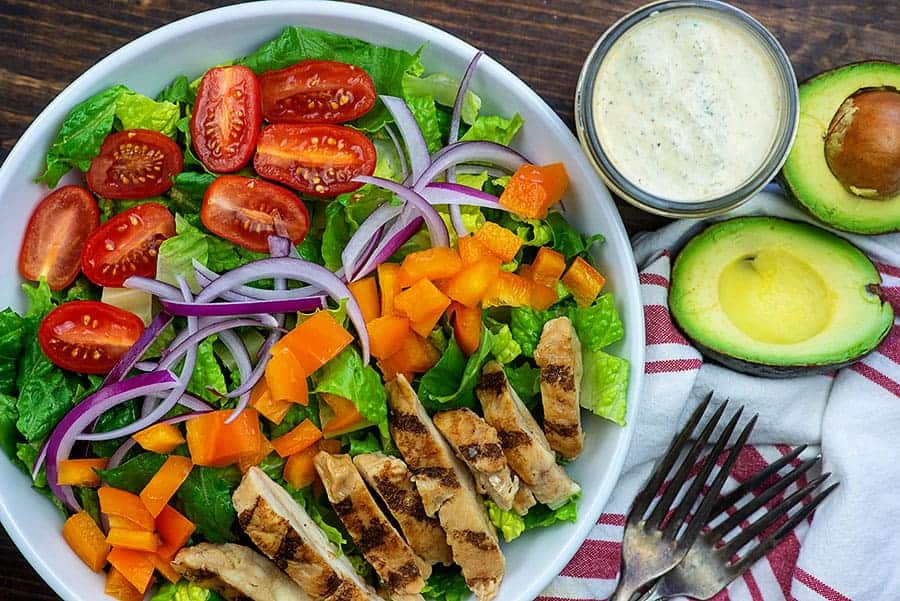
x: 477, y: 445
x: 287, y: 535
x: 524, y: 499
x: 527, y: 450
x: 558, y: 354
x: 447, y: 489
x: 237, y: 573
x: 393, y: 482
x: 394, y: 561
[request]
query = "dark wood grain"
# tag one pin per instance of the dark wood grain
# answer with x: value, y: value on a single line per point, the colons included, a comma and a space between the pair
x: 45, y: 45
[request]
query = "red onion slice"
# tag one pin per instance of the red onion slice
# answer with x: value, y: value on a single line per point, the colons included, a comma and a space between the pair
x: 237, y: 309
x: 470, y: 152
x: 404, y: 166
x: 419, y: 157
x: 436, y: 226
x: 154, y: 287
x: 356, y: 250
x: 206, y: 276
x: 131, y: 357
x: 402, y: 230
x: 64, y: 435
x: 455, y: 212
x: 242, y: 360
x: 454, y: 195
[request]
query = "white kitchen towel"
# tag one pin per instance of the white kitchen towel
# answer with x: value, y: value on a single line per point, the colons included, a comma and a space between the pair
x: 849, y: 550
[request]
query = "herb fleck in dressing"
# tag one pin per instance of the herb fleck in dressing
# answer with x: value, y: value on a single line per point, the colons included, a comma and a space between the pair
x: 687, y: 104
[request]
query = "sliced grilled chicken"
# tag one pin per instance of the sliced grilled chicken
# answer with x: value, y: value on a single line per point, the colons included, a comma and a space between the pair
x: 526, y: 448
x: 393, y: 482
x: 558, y: 354
x: 524, y: 499
x: 476, y: 443
x: 285, y: 533
x: 394, y: 561
x: 447, y: 489
x: 237, y: 573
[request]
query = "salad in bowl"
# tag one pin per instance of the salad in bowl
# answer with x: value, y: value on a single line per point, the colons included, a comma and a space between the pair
x: 306, y: 327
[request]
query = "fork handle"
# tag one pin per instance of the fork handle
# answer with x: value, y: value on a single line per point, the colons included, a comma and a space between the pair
x: 653, y: 593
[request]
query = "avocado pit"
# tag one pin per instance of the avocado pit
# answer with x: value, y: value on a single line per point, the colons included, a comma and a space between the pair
x: 862, y: 144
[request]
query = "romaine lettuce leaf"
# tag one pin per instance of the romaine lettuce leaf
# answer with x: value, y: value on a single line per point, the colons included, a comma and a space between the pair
x: 443, y: 88
x: 568, y: 240
x: 493, y: 128
x: 604, y: 388
x: 12, y: 335
x: 361, y: 442
x: 425, y: 112
x: 206, y: 499
x: 446, y: 584
x: 541, y: 516
x: 597, y: 326
x: 118, y: 417
x: 207, y: 375
x: 511, y: 524
x: 504, y: 348
x: 175, y: 255
x: 526, y: 381
x: 177, y: 92
x: 134, y: 474
x: 8, y: 432
x: 451, y: 383
x: 184, y: 591
x: 136, y: 111
x: 320, y: 512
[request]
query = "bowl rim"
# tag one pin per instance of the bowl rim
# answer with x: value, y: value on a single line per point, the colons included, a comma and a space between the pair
x: 83, y: 85
x: 613, y: 178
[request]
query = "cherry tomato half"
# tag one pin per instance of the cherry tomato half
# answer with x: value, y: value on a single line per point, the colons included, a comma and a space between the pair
x: 135, y: 163
x: 88, y: 336
x: 315, y: 159
x: 316, y: 92
x: 127, y: 245
x: 226, y: 119
x: 55, y: 235
x: 247, y: 211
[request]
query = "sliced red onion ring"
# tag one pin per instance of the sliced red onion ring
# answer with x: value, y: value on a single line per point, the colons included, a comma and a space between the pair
x: 237, y: 309
x: 404, y: 166
x: 242, y: 360
x: 293, y: 269
x: 477, y: 169
x: 146, y: 366
x: 356, y: 250
x: 206, y: 276
x: 436, y: 226
x: 441, y: 193
x: 189, y: 401
x: 259, y: 370
x: 402, y: 230
x: 419, y: 157
x: 174, y: 353
x: 131, y: 357
x: 279, y: 246
x: 154, y: 287
x: 469, y: 152
x: 455, y: 212
x: 64, y: 435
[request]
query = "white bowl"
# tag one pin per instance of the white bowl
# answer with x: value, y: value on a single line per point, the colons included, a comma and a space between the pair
x: 192, y: 45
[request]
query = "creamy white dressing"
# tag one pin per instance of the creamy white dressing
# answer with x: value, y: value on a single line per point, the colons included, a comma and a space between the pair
x: 687, y: 104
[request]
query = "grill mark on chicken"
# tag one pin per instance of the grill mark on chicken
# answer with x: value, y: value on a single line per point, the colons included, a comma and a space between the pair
x: 444, y: 475
x: 398, y: 500
x: 564, y: 430
x: 194, y: 574
x: 246, y: 516
x: 291, y: 547
x: 560, y: 375
x: 408, y: 422
x: 494, y: 383
x: 477, y: 539
x: 511, y: 439
x: 487, y: 450
x: 401, y: 577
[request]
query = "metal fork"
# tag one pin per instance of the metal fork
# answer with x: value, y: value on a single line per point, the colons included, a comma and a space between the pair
x: 710, y: 565
x: 650, y: 547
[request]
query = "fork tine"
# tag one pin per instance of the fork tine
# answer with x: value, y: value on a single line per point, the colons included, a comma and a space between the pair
x: 785, y: 529
x: 690, y: 460
x: 642, y: 501
x: 747, y: 510
x: 757, y: 479
x: 701, y: 516
x: 780, y: 510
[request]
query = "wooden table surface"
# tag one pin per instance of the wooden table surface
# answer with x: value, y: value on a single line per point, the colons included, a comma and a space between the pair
x: 46, y: 45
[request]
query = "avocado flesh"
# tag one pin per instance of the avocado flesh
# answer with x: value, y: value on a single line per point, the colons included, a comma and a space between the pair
x: 806, y: 173
x: 775, y: 297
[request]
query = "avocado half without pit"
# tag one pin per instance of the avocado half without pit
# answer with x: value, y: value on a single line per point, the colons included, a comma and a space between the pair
x: 844, y: 166
x: 777, y: 298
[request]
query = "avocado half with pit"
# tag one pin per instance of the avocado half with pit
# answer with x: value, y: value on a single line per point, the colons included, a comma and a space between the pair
x: 844, y: 166
x: 777, y: 298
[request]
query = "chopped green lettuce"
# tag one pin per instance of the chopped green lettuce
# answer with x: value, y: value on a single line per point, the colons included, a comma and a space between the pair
x: 541, y: 516
x: 451, y: 383
x: 424, y: 110
x: 569, y: 241
x: 320, y: 512
x: 510, y: 523
x: 443, y: 88
x: 504, y: 349
x: 525, y: 379
x: 493, y: 128
x: 176, y: 254
x: 604, y: 388
x: 206, y: 498
x: 446, y: 584
x: 207, y: 375
x: 12, y: 334
x: 9, y: 414
x: 136, y: 111
x: 118, y: 417
x: 134, y: 474
x: 597, y: 326
x: 361, y: 442
x: 177, y: 92
x: 184, y: 590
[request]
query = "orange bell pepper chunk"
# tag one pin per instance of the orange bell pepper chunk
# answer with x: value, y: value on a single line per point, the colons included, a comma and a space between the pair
x: 86, y: 539
x: 389, y: 284
x: 214, y: 443
x: 119, y: 588
x: 508, y: 290
x: 174, y: 529
x: 436, y: 263
x: 471, y: 284
x: 547, y: 267
x: 466, y: 326
x: 164, y: 567
x: 160, y: 438
x: 471, y: 249
x: 299, y: 470
x: 261, y: 400
x: 499, y: 240
x: 165, y: 483
x: 346, y: 415
x: 533, y: 189
x: 424, y: 304
x: 301, y: 437
x: 80, y: 472
x: 365, y: 291
x: 386, y: 335
x: 314, y: 342
x: 248, y: 461
x: 122, y: 503
x: 286, y: 378
x: 415, y: 356
x: 136, y: 540
x: 542, y: 297
x: 135, y: 566
x: 583, y: 281
x: 124, y: 523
